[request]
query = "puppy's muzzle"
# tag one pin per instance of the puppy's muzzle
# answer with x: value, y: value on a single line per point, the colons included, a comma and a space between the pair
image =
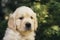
x: 28, y: 26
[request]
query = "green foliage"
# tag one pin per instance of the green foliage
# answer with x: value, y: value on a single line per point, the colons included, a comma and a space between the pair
x: 54, y: 11
x: 3, y: 25
x: 41, y: 11
x: 48, y: 19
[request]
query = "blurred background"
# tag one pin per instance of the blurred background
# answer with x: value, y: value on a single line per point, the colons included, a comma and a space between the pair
x: 48, y: 15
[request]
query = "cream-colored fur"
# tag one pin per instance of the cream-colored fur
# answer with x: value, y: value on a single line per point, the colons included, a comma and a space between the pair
x: 16, y: 25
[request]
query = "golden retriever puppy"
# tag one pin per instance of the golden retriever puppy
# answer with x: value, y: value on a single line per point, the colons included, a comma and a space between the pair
x: 21, y: 25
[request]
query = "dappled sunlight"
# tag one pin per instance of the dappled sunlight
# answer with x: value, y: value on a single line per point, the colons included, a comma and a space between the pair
x: 44, y: 21
x: 37, y: 5
x: 55, y: 27
x: 53, y: 30
x: 46, y: 15
x: 6, y: 17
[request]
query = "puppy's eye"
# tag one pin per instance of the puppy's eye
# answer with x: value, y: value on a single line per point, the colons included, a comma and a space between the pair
x: 31, y: 17
x: 21, y: 18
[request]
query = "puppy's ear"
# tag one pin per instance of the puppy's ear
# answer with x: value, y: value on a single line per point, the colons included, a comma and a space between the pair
x: 11, y: 22
x: 35, y: 23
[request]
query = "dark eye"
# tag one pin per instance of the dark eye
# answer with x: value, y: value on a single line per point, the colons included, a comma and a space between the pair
x: 31, y: 17
x: 21, y: 18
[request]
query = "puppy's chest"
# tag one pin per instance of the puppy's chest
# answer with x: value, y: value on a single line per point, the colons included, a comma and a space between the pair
x: 27, y: 38
x: 19, y: 37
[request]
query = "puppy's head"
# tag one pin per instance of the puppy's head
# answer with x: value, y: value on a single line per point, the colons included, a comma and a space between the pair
x: 23, y: 20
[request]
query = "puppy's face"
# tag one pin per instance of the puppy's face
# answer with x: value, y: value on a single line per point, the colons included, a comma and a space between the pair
x: 23, y: 20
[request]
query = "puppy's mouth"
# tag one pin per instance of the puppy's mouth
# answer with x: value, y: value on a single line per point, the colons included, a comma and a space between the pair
x: 27, y: 29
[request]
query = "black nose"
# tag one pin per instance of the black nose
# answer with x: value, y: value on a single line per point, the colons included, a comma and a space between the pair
x: 28, y: 25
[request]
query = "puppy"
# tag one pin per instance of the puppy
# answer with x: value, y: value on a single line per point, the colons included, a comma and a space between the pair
x: 21, y: 25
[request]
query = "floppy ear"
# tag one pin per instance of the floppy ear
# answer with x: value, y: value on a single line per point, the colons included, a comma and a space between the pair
x: 35, y: 24
x: 11, y: 22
